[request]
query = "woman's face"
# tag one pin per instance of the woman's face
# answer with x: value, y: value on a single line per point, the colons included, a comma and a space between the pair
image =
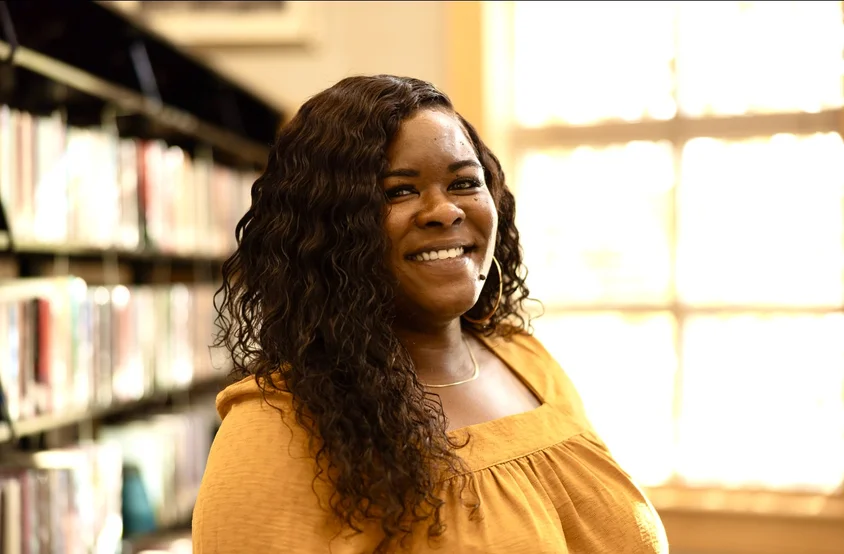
x: 441, y: 218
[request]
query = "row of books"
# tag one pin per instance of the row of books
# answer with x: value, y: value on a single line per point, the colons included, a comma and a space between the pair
x: 66, y: 501
x: 134, y: 479
x: 164, y: 458
x: 66, y: 347
x: 91, y: 188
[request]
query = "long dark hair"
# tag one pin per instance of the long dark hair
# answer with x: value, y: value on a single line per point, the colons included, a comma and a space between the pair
x: 307, y: 302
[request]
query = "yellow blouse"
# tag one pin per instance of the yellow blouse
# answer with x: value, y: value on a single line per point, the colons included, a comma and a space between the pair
x: 546, y: 482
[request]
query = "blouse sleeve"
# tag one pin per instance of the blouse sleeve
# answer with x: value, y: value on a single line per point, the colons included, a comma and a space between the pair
x: 257, y: 492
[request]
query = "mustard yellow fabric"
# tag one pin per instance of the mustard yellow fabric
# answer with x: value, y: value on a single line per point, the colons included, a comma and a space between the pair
x: 546, y: 482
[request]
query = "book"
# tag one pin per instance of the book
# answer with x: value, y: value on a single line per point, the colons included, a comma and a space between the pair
x: 62, y: 500
x: 91, y: 188
x: 164, y: 458
x: 68, y: 348
x: 133, y: 480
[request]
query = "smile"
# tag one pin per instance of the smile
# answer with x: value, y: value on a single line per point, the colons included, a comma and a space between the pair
x: 437, y: 255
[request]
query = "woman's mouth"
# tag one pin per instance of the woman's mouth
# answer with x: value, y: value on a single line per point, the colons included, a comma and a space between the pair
x: 444, y: 254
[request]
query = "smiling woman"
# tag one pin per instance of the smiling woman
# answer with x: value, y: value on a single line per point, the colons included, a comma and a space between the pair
x: 391, y: 393
x: 441, y: 219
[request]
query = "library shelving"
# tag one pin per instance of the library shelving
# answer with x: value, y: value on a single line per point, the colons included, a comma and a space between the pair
x: 125, y: 164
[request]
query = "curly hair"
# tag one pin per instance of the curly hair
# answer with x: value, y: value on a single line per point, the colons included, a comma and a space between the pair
x: 307, y: 303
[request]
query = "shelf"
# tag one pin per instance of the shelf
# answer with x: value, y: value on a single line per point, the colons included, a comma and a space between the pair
x: 712, y: 521
x: 89, y: 253
x: 762, y: 503
x: 131, y: 102
x: 139, y: 73
x: 154, y: 539
x: 52, y: 422
x: 703, y: 532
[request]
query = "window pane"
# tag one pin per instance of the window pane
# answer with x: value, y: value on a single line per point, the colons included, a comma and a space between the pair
x: 762, y: 402
x: 584, y: 62
x: 760, y: 221
x: 740, y: 57
x: 623, y: 366
x: 595, y: 223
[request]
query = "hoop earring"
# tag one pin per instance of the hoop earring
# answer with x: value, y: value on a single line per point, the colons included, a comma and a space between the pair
x: 497, y: 300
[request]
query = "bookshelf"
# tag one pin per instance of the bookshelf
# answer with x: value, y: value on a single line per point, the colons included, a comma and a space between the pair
x: 124, y: 167
x: 46, y: 423
x: 156, y: 87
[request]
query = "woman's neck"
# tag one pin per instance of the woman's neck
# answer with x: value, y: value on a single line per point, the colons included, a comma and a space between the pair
x: 438, y: 353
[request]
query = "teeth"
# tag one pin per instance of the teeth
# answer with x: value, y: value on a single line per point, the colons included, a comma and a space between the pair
x: 439, y: 255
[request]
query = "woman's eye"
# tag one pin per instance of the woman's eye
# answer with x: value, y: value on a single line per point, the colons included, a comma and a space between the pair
x: 466, y: 184
x: 398, y: 192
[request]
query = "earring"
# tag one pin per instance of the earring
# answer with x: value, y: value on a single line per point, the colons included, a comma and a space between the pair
x: 497, y: 300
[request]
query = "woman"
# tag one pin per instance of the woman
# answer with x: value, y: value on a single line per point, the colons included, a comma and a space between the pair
x: 391, y: 398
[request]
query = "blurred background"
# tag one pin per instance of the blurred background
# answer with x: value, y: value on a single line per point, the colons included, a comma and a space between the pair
x: 679, y: 175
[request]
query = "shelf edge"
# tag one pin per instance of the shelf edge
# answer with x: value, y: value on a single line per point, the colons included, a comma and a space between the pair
x: 134, y: 102
x: 51, y: 422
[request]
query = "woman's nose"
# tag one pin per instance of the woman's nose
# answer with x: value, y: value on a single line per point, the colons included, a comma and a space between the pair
x: 439, y: 210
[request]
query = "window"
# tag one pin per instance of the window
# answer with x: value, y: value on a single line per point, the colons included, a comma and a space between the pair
x: 681, y: 201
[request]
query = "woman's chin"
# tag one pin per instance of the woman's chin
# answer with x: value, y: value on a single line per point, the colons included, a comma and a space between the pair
x: 451, y: 310
x: 440, y: 308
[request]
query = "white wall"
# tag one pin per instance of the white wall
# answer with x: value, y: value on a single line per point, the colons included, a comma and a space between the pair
x: 406, y: 38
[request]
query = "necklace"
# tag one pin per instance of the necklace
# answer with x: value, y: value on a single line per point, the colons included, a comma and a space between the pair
x: 474, y: 376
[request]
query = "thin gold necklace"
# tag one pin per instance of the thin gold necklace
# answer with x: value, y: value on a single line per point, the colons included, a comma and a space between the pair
x: 474, y: 376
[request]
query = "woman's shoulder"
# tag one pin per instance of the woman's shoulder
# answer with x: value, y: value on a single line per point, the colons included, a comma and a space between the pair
x: 260, y: 448
x: 261, y: 461
x: 526, y: 354
x: 259, y: 414
x: 253, y: 391
x: 527, y: 344
x: 259, y: 427
x: 521, y: 348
